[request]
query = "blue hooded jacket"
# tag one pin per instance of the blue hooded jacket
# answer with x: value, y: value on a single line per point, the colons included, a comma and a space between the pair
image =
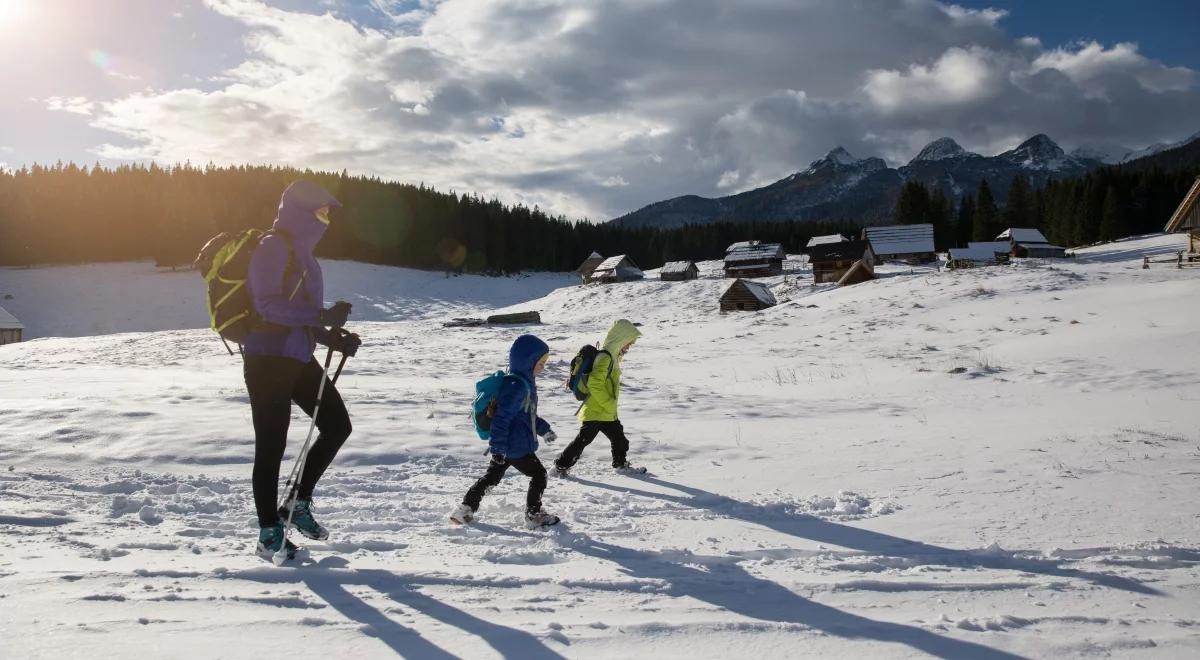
x: 515, y: 426
x: 294, y: 302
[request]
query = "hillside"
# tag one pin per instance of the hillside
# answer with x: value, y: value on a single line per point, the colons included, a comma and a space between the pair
x: 989, y: 463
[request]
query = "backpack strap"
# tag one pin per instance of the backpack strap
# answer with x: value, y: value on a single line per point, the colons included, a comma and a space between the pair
x: 291, y: 259
x: 528, y: 401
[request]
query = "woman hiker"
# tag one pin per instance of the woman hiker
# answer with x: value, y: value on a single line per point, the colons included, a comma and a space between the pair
x: 287, y: 292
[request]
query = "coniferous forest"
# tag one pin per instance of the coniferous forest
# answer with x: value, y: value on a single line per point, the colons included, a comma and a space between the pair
x: 72, y: 214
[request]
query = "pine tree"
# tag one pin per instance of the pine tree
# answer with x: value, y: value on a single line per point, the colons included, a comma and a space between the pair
x: 986, y: 217
x: 1112, y: 221
x: 964, y: 228
x: 912, y: 207
x: 1018, y: 211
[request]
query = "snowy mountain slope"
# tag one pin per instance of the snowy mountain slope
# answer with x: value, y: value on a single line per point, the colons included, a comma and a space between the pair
x: 986, y: 463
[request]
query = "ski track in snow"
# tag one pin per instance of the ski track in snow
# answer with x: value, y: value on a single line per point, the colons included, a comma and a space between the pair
x: 989, y: 463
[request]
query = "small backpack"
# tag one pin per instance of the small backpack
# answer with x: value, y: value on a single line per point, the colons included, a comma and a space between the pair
x: 581, y: 368
x: 224, y: 263
x: 483, y: 409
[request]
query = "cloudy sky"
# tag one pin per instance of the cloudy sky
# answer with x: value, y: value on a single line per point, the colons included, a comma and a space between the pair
x: 586, y: 108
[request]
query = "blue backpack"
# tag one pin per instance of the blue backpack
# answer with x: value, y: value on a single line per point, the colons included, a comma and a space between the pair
x: 483, y: 409
x: 581, y: 368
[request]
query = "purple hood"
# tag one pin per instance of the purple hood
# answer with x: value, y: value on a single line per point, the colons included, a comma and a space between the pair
x: 291, y: 299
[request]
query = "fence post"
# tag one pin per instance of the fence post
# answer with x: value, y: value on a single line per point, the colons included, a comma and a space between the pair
x: 1145, y: 263
x: 1179, y: 263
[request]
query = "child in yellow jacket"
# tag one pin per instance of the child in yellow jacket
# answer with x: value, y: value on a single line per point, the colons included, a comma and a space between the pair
x: 599, y: 411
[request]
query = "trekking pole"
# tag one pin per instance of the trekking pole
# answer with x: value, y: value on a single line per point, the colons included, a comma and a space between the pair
x: 341, y: 363
x: 298, y: 469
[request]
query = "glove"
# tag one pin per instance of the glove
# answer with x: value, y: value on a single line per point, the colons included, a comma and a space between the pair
x: 550, y: 437
x: 347, y: 344
x: 335, y: 317
x: 498, y: 459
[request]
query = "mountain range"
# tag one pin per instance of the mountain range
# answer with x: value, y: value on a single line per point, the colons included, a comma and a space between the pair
x: 838, y: 185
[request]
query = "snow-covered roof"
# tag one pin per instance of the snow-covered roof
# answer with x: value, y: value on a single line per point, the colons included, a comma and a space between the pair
x: 900, y: 239
x: 1022, y: 235
x: 611, y: 263
x: 976, y: 253
x: 741, y: 245
x: 758, y: 252
x: 760, y: 291
x: 677, y: 266
x: 1040, y: 246
x: 8, y: 321
x: 823, y: 240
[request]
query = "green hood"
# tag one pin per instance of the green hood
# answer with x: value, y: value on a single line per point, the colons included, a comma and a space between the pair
x: 622, y: 333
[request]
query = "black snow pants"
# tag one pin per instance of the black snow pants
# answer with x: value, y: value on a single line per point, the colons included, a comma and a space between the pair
x: 528, y: 465
x: 274, y: 383
x: 587, y: 433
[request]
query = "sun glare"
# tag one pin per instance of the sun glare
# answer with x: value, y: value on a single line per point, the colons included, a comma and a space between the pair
x: 10, y: 10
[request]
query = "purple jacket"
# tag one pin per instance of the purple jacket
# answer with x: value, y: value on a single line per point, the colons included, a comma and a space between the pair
x: 295, y: 301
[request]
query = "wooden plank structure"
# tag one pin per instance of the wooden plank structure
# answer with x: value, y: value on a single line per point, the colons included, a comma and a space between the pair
x: 677, y: 271
x: 616, y: 269
x: 908, y: 243
x: 516, y: 318
x: 754, y: 259
x: 861, y: 271
x: 1029, y: 242
x: 831, y: 261
x: 1187, y: 218
x: 10, y: 328
x: 746, y: 295
x: 589, y: 265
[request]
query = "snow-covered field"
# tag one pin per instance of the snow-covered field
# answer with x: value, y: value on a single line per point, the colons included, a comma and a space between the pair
x: 987, y: 463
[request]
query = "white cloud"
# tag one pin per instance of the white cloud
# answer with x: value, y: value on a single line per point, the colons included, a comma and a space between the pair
x: 594, y: 108
x: 1095, y: 68
x: 78, y: 105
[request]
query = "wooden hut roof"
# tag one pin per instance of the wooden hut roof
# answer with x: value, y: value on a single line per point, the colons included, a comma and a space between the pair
x: 759, y: 290
x: 8, y: 321
x: 612, y: 263
x: 900, y: 239
x: 1184, y: 209
x: 861, y: 271
x: 678, y: 266
x: 823, y: 240
x: 1022, y: 235
x: 837, y: 251
x: 759, y: 252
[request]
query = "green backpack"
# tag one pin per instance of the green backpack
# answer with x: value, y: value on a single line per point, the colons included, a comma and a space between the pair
x: 224, y: 263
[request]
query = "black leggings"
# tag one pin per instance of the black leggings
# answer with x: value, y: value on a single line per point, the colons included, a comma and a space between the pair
x: 274, y: 383
x: 611, y: 430
x: 528, y: 465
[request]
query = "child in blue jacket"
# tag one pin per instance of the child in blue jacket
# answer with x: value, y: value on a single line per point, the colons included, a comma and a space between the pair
x: 515, y: 427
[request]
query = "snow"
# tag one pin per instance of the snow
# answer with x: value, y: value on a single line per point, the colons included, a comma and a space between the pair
x: 987, y: 463
x: 941, y: 149
x: 825, y: 240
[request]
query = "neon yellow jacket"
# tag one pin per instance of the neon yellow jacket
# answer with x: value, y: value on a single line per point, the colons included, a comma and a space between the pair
x: 604, y: 387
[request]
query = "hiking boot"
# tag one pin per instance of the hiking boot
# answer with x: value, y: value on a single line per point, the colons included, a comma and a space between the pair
x: 303, y: 521
x: 269, y: 539
x: 560, y: 471
x: 462, y: 515
x: 625, y: 467
x: 539, y: 518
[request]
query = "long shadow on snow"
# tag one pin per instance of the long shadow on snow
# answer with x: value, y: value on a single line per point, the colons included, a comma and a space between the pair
x: 823, y: 531
x: 729, y: 586
x: 331, y: 585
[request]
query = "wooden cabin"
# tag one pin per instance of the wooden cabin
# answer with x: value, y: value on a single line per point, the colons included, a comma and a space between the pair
x: 984, y: 253
x: 677, y: 271
x: 754, y: 259
x: 831, y: 261
x: 861, y: 271
x: 1187, y: 218
x: 10, y: 328
x: 908, y: 243
x: 1029, y: 242
x: 589, y: 266
x: 616, y: 269
x: 746, y: 295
